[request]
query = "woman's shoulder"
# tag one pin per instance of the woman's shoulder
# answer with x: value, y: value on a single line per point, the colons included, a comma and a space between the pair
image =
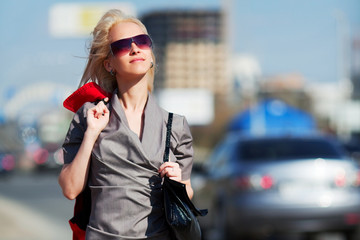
x: 177, y: 118
x: 179, y: 126
x: 159, y: 111
x: 179, y: 121
x: 88, y: 105
x: 82, y: 111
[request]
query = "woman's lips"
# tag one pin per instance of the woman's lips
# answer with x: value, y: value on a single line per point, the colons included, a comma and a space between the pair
x: 137, y: 60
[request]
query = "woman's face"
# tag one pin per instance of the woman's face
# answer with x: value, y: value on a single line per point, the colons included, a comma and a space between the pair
x: 137, y: 61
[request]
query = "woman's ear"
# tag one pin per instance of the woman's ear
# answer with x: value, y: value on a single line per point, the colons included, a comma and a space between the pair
x: 107, y: 65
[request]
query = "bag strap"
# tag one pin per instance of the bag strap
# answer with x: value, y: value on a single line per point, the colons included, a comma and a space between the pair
x: 196, y: 211
x: 168, y: 135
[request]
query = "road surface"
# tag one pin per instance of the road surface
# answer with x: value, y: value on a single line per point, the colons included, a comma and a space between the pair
x: 33, y: 208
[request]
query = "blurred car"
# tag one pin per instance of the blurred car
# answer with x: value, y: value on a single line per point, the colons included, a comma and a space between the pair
x: 254, y: 186
x: 48, y: 158
x: 7, y: 163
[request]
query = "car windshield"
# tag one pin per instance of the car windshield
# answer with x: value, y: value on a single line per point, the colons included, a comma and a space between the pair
x: 287, y: 148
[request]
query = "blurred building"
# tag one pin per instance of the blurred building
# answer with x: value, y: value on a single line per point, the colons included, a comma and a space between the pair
x: 288, y: 87
x: 355, y: 68
x: 190, y: 49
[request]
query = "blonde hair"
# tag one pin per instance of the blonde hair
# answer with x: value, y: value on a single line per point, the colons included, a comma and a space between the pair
x: 100, y: 50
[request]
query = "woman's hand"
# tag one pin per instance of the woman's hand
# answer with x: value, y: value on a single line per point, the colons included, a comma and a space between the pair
x: 97, y: 118
x: 171, y: 170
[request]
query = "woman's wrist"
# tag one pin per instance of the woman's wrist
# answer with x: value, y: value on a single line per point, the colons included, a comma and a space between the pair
x: 91, y: 134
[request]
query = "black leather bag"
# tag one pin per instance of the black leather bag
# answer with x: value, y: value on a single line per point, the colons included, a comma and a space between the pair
x: 180, y: 212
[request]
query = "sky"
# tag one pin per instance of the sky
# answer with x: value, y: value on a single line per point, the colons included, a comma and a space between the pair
x: 294, y: 36
x: 284, y: 36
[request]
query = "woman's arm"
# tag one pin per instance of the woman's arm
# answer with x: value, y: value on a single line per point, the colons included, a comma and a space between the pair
x: 73, y: 176
x: 189, y: 189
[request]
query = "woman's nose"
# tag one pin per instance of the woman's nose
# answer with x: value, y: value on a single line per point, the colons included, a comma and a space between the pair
x: 134, y: 48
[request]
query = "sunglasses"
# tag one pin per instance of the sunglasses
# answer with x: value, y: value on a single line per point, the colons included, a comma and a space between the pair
x: 123, y: 46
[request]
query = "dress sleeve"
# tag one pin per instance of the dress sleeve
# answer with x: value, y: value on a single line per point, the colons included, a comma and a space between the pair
x: 183, y: 149
x: 75, y: 135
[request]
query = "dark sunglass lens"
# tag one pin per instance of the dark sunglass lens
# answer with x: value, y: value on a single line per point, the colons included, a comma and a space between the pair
x: 143, y: 41
x: 121, y: 46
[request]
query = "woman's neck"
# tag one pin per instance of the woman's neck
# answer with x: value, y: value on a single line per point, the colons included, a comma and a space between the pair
x: 133, y: 98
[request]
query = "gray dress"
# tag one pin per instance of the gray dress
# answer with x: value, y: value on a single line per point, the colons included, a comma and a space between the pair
x: 125, y: 185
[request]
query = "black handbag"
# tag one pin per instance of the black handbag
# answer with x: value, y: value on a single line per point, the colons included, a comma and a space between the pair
x: 181, y: 214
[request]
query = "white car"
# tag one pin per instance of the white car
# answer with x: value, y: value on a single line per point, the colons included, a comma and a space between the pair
x: 254, y: 186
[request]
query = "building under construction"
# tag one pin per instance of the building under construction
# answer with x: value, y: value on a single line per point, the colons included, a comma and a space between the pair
x: 190, y: 49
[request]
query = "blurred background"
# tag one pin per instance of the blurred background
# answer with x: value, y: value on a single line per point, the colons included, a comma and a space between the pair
x: 255, y: 66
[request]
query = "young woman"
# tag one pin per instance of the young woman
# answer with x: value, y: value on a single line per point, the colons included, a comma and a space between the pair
x: 117, y: 148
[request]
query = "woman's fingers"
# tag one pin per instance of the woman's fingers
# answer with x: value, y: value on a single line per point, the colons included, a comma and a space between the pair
x: 105, y: 100
x: 100, y: 109
x: 98, y: 117
x: 171, y: 170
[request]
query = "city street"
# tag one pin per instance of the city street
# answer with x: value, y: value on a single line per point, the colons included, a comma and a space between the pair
x: 33, y: 208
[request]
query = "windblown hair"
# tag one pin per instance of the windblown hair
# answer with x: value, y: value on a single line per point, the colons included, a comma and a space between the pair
x: 100, y: 50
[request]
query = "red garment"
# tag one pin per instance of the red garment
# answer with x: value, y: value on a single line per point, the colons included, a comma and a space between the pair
x: 78, y: 233
x: 90, y: 92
